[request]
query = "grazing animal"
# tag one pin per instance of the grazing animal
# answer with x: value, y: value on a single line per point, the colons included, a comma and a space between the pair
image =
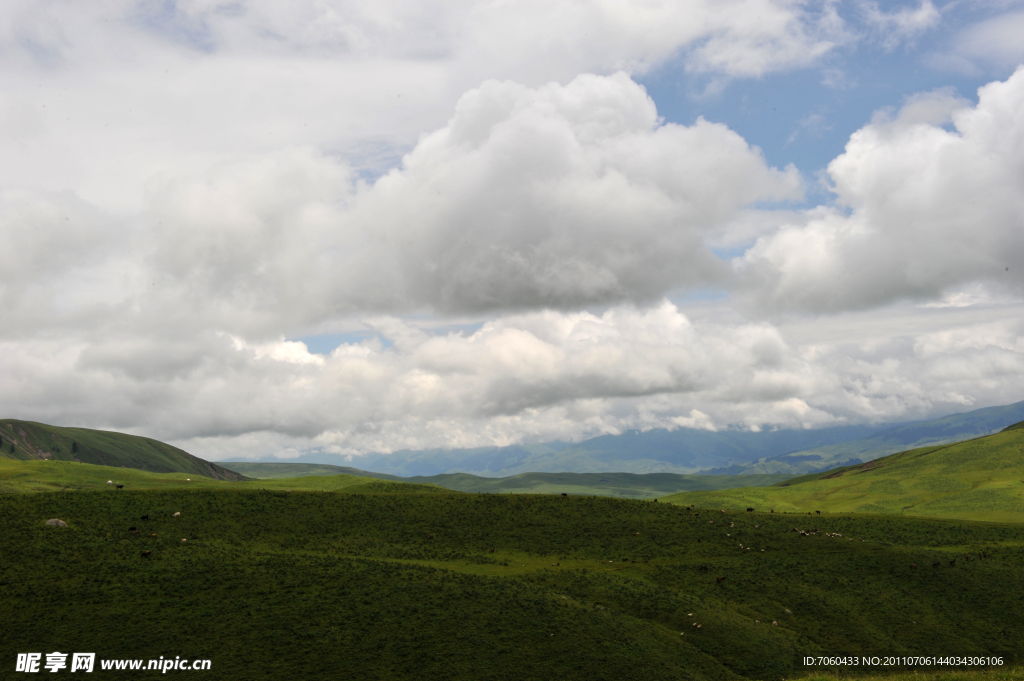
x: 120, y: 486
x: 703, y: 568
x: 564, y: 494
x: 936, y: 564
x: 430, y: 536
x: 490, y: 550
x: 184, y: 540
x: 913, y: 565
x: 133, y: 529
x: 177, y: 514
x: 775, y: 623
x: 771, y: 510
x: 719, y: 580
x: 110, y: 482
x: 153, y: 536
x: 818, y: 512
x: 749, y: 509
x: 147, y: 554
x: 953, y: 562
x: 966, y: 557
x: 145, y: 517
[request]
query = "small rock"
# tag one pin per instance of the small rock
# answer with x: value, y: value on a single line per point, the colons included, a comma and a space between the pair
x: 56, y: 522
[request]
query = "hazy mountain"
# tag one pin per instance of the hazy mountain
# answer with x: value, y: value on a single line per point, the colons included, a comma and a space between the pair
x: 630, y: 485
x: 688, y: 451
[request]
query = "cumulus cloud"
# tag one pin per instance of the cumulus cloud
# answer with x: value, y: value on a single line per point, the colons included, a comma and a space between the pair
x: 558, y: 196
x: 923, y: 209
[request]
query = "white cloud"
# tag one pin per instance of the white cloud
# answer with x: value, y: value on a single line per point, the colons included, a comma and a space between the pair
x: 923, y: 210
x: 902, y: 25
x: 530, y: 377
x: 996, y: 41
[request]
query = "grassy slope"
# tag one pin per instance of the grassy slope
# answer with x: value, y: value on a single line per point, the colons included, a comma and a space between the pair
x: 322, y: 585
x: 51, y: 476
x: 269, y: 471
x: 952, y: 428
x: 28, y: 440
x: 629, y: 485
x: 980, y: 479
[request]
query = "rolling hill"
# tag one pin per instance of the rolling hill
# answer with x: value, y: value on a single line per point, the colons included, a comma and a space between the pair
x: 627, y: 485
x: 28, y: 440
x: 980, y: 479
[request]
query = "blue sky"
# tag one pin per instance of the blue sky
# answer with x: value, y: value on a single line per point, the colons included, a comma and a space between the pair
x: 805, y: 116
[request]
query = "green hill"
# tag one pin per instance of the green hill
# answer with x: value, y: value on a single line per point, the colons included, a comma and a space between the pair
x: 27, y: 441
x: 981, y: 479
x: 443, y: 585
x: 628, y: 485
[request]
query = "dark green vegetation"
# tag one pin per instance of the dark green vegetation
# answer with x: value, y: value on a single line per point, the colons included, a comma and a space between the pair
x: 981, y: 479
x: 381, y: 585
x: 630, y: 485
x: 27, y: 440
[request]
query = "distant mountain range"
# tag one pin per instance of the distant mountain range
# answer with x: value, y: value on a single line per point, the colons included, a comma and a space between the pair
x: 682, y: 452
x: 28, y: 440
x: 689, y: 451
x: 629, y: 485
x: 977, y: 479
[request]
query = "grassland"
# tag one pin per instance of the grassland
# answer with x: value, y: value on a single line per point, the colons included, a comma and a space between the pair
x: 626, y: 485
x: 981, y: 479
x: 18, y: 477
x: 369, y: 583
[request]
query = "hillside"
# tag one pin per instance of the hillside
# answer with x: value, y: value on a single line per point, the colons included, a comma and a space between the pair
x: 953, y: 428
x: 628, y: 485
x: 381, y: 585
x: 981, y: 479
x: 27, y: 441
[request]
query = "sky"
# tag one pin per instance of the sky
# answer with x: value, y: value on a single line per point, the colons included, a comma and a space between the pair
x: 274, y: 229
